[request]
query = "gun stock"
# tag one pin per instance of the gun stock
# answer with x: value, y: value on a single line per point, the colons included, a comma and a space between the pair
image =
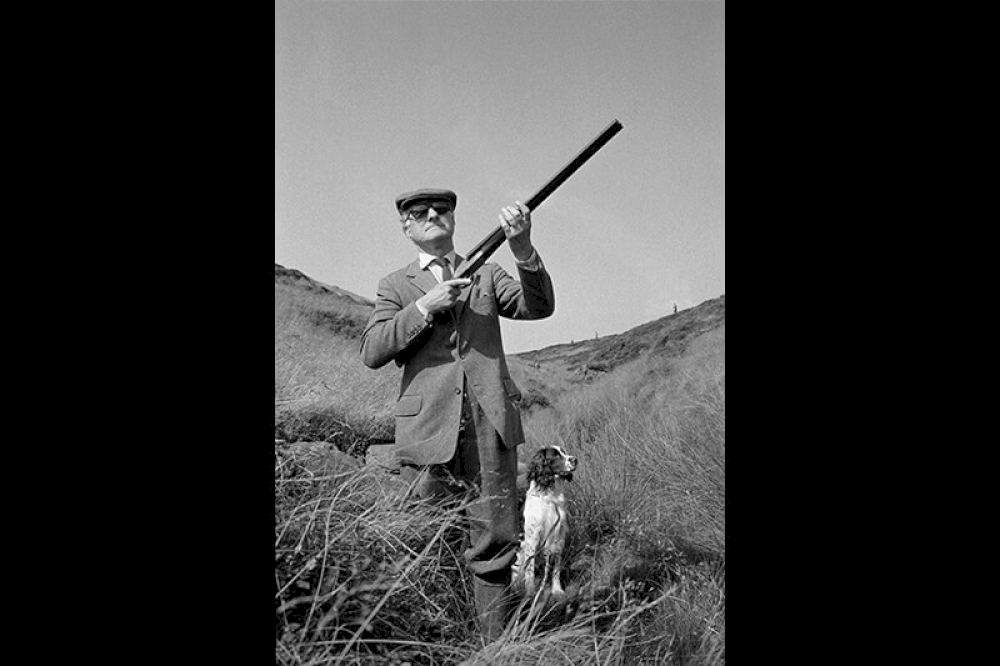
x: 481, y: 253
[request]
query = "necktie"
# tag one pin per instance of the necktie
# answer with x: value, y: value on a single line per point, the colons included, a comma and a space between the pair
x: 445, y: 268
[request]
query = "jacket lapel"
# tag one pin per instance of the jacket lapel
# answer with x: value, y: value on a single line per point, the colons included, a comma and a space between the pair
x: 422, y: 280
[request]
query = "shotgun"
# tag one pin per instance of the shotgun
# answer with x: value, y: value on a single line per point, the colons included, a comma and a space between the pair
x: 486, y: 247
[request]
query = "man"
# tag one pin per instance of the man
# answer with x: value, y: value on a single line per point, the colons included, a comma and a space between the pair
x: 457, y: 420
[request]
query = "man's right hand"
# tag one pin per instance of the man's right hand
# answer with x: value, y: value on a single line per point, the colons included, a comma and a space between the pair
x: 444, y: 295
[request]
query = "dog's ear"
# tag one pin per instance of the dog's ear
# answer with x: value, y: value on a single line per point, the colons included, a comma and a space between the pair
x: 540, y: 470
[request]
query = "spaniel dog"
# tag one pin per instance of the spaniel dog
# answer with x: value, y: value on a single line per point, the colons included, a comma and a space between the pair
x: 546, y: 522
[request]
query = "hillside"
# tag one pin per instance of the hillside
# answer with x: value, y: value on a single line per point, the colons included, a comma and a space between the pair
x: 547, y: 373
x: 336, y: 309
x: 318, y: 368
x: 667, y: 336
x: 290, y: 276
x: 322, y: 391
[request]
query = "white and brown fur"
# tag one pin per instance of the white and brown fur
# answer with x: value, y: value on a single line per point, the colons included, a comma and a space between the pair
x: 546, y: 521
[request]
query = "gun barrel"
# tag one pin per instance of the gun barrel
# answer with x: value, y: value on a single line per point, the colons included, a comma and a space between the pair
x: 599, y: 141
x: 486, y: 247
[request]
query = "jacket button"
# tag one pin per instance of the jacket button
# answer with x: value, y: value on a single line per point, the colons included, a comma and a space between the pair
x: 458, y: 391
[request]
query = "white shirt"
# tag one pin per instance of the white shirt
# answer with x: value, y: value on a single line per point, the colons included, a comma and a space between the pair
x: 435, y: 269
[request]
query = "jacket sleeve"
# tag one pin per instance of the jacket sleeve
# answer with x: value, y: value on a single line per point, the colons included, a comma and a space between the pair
x: 531, y: 298
x: 392, y: 327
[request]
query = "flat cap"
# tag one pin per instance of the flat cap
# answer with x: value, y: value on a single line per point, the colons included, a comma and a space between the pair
x: 407, y: 199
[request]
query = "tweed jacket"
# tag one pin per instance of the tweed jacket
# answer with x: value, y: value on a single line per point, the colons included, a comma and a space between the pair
x: 458, y: 346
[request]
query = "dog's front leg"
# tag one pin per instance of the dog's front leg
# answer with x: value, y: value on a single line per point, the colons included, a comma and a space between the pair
x: 529, y: 577
x: 557, y: 587
x: 546, y: 570
x: 527, y: 569
x: 517, y: 569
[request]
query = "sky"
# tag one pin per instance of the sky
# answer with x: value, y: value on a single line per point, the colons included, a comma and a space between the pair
x: 490, y: 99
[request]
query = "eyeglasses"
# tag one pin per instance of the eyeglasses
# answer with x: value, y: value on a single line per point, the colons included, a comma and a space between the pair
x: 419, y: 213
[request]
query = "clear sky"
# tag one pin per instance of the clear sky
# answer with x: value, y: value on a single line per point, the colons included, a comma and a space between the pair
x: 491, y: 99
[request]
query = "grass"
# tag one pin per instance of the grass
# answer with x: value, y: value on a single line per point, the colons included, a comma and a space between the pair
x: 365, y: 574
x: 361, y: 574
x: 648, y: 502
x: 322, y: 391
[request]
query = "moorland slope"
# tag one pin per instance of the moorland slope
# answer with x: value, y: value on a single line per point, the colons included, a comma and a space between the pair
x: 546, y: 374
x: 328, y: 312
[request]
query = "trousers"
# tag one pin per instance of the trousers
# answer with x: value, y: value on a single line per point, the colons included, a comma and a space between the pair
x: 485, y: 472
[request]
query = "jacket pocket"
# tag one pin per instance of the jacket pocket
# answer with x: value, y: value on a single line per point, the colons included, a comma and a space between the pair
x: 511, y: 388
x: 409, y: 405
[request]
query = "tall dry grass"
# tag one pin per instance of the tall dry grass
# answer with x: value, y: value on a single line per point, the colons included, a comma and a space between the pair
x: 365, y: 574
x: 322, y: 390
x: 648, y: 501
x: 362, y: 575
x: 651, y: 438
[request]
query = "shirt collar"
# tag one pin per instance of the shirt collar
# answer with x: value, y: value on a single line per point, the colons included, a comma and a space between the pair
x: 425, y: 259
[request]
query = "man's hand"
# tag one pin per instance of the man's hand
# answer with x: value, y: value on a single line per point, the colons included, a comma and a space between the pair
x: 443, y: 295
x: 516, y: 223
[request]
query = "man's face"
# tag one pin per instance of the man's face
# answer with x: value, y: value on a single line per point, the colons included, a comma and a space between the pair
x: 429, y: 221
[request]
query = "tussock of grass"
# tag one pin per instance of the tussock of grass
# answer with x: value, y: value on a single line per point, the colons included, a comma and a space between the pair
x: 360, y: 571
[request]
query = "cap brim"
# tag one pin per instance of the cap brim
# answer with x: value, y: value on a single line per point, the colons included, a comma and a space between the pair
x: 404, y: 201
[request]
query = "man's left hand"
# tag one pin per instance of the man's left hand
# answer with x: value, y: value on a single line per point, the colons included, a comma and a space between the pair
x: 516, y: 223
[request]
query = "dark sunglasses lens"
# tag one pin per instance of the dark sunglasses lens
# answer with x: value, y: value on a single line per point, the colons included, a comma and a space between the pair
x: 420, y: 212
